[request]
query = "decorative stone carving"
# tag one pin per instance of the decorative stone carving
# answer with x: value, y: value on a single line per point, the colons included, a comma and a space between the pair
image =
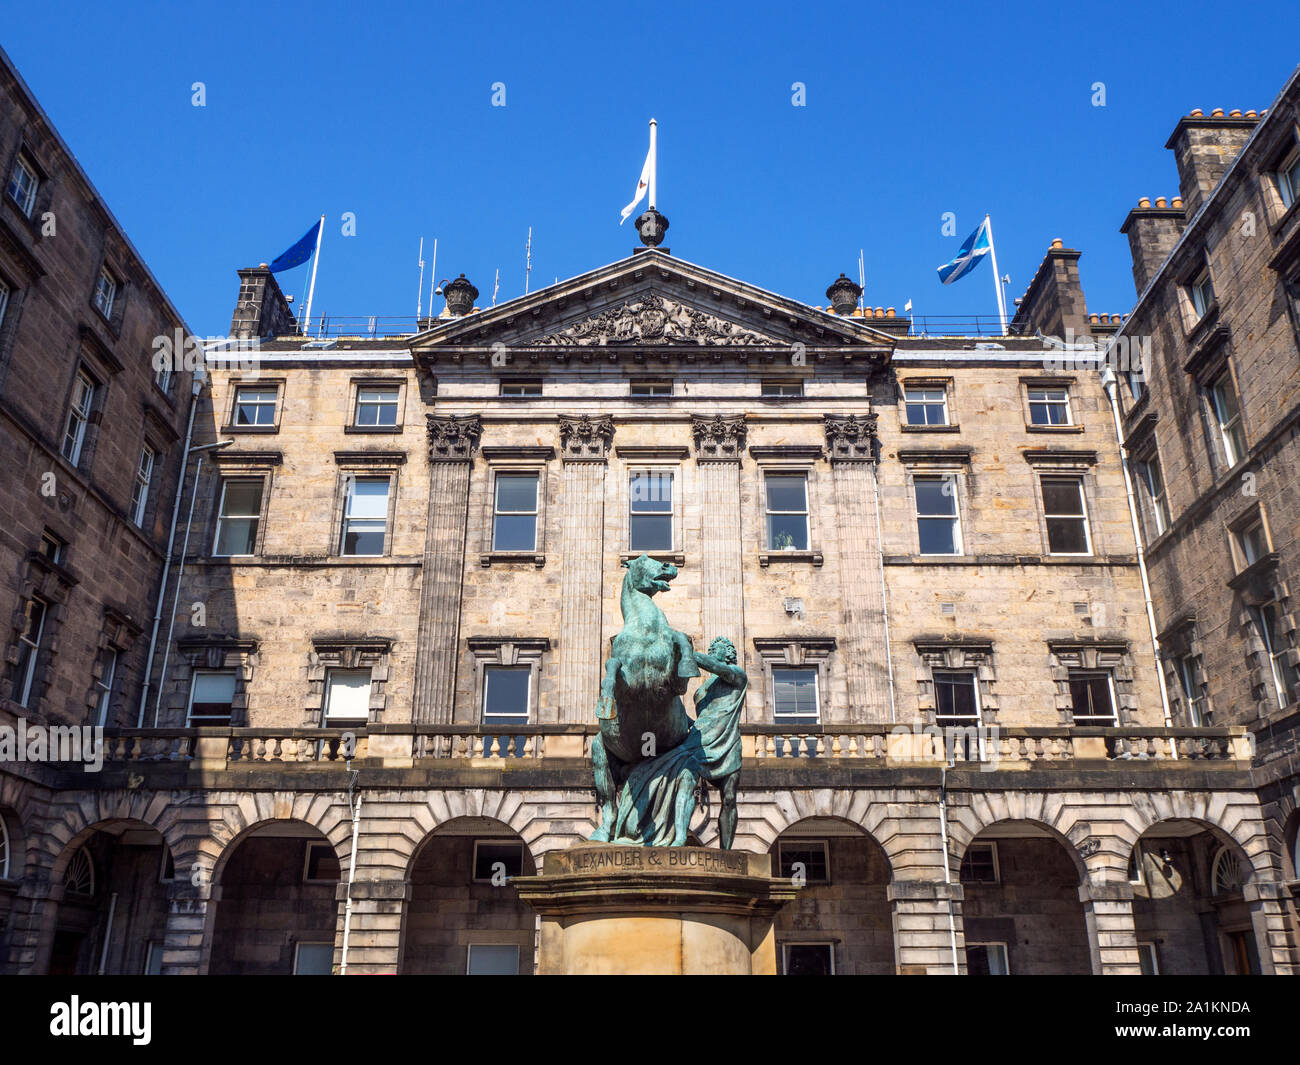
x: 652, y: 227
x: 851, y: 439
x: 460, y: 295
x: 718, y: 439
x: 843, y: 295
x: 651, y: 319
x: 585, y: 439
x: 453, y: 439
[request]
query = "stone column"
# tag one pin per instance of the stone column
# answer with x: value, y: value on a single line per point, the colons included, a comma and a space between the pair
x: 183, y: 940
x: 851, y: 446
x: 584, y: 450
x: 719, y: 444
x: 375, y: 936
x: 452, y: 442
x: 1112, y: 940
x: 924, y: 927
x: 1273, y: 938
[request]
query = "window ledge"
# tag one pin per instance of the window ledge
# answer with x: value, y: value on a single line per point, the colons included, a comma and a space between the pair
x: 766, y: 558
x: 497, y: 558
x: 372, y: 428
x: 950, y: 428
x: 1053, y: 428
x: 250, y: 428
x: 677, y: 558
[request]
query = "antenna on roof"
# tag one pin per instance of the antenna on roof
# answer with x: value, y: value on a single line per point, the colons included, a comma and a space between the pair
x: 495, y: 286
x: 528, y: 259
x: 419, y: 289
x: 862, y: 280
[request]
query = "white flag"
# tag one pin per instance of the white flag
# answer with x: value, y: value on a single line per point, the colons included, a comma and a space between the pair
x: 641, y: 186
x: 909, y: 306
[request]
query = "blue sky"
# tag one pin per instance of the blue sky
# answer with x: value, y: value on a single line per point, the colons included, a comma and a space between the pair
x: 385, y: 110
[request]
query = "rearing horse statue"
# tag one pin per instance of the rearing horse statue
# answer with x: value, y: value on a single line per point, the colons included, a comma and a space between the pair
x: 646, y: 675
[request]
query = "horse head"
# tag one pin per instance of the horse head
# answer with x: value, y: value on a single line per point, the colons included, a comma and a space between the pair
x: 646, y: 575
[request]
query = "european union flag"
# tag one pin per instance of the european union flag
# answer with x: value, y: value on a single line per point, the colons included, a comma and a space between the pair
x: 972, y: 251
x: 299, y: 253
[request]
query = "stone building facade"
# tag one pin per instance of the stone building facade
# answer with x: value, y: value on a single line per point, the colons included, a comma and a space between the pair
x: 400, y: 579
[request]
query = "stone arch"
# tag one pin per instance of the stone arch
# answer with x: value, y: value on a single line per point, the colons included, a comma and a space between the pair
x: 1233, y: 819
x: 765, y: 817
x: 79, y: 819
x: 252, y: 812
x: 1046, y: 811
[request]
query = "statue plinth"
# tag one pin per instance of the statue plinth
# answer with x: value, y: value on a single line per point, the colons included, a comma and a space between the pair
x: 618, y: 910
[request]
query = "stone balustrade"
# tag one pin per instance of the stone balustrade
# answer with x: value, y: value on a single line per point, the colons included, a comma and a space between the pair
x: 405, y: 745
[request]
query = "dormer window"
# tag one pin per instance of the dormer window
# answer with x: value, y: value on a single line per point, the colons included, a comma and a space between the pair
x: 23, y: 183
x: 105, y: 293
x: 1287, y: 178
x: 1200, y: 290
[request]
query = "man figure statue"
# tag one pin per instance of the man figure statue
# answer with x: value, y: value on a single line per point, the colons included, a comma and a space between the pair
x: 718, y: 705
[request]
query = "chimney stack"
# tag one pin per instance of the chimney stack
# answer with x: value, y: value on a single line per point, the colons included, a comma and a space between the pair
x: 1204, y: 147
x: 1054, y: 299
x: 261, y: 310
x: 1152, y: 233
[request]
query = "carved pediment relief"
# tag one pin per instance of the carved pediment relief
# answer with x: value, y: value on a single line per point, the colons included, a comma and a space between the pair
x: 649, y: 318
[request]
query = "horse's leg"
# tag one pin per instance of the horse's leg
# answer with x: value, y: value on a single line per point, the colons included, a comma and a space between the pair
x: 727, y: 816
x: 686, y: 666
x: 605, y: 707
x: 602, y: 766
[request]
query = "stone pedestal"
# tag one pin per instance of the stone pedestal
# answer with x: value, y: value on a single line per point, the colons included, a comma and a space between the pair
x: 614, y: 910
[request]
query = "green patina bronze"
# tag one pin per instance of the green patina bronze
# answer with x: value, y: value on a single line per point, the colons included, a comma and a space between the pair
x: 651, y: 757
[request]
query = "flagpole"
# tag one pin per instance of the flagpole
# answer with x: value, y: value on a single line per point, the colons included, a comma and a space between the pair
x: 311, y: 290
x: 997, y: 277
x: 654, y: 161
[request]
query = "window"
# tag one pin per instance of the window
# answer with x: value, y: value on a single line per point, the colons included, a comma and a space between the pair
x: 987, y: 959
x: 1227, y: 413
x: 52, y: 547
x: 979, y: 865
x: 649, y: 388
x: 153, y: 955
x: 493, y: 959
x: 162, y: 377
x: 809, y: 959
x: 347, y: 695
x: 794, y: 695
x: 494, y: 858
x: 23, y: 183
x: 29, y: 648
x: 140, y: 494
x: 506, y: 695
x: 376, y: 406
x: 1287, y: 179
x: 787, y: 511
x: 938, y: 526
x: 1193, y: 698
x: 1049, y: 406
x: 1092, y: 700
x: 1137, y: 384
x: 4, y: 849
x: 1201, y: 292
x: 74, y: 433
x: 104, y: 686
x: 926, y: 406
x: 313, y: 959
x: 1252, y: 543
x: 1152, y: 484
x: 239, y: 513
x: 956, y: 698
x: 79, y: 876
x: 105, y: 293
x: 1227, y: 872
x: 773, y: 388
x: 650, y: 517
x: 320, y: 864
x: 1282, y: 673
x: 522, y: 386
x: 212, y: 696
x: 811, y: 854
x: 365, y: 516
x: 1147, y: 959
x: 1135, y: 863
x: 4, y: 301
x: 514, y: 513
x: 1067, y: 520
x: 255, y: 406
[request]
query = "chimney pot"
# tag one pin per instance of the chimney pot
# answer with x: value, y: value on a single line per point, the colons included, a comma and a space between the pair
x: 1235, y: 113
x: 1058, y: 243
x: 1145, y: 201
x: 1161, y: 202
x: 1252, y: 114
x: 1196, y: 113
x: 889, y: 312
x: 1177, y: 202
x: 1217, y: 113
x: 1094, y: 318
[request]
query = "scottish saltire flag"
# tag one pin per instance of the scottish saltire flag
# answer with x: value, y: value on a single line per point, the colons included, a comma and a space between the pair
x: 299, y: 253
x: 972, y: 251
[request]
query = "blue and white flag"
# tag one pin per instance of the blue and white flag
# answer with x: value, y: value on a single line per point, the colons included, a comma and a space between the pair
x: 974, y: 249
x: 299, y: 253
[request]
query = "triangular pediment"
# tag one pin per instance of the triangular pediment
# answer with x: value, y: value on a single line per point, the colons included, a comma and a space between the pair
x: 651, y: 300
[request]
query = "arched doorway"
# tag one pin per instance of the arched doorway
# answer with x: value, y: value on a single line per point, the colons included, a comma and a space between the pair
x: 841, y: 923
x: 1189, y: 910
x: 111, y: 916
x: 276, y: 888
x: 1021, y: 911
x: 463, y: 915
